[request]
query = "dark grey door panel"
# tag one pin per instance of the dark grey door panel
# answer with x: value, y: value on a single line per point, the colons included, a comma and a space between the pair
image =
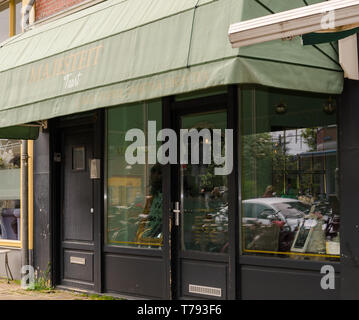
x: 78, y: 265
x: 135, y: 275
x: 204, y: 279
x: 77, y: 209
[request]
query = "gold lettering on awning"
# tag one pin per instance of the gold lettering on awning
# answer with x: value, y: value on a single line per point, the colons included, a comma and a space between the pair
x: 69, y: 63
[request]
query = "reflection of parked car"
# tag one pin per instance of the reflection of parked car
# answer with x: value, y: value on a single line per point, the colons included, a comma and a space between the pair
x: 266, y: 210
x: 269, y: 224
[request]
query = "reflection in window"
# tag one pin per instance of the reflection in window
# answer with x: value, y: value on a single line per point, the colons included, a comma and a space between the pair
x: 134, y: 199
x: 10, y: 189
x: 204, y: 195
x: 289, y: 169
x: 5, y: 19
x: 4, y: 22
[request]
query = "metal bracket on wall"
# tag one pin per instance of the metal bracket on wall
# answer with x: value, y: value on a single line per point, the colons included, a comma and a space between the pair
x: 42, y: 124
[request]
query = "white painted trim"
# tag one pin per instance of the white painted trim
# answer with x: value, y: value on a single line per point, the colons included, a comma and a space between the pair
x: 348, y: 57
x: 292, y: 23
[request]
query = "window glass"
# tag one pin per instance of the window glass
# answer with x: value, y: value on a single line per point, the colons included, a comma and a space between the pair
x: 134, y: 191
x: 4, y: 22
x: 10, y: 189
x: 204, y: 195
x: 289, y: 176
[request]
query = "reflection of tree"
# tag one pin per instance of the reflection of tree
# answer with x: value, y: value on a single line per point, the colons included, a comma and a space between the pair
x: 258, y: 154
x: 267, y: 161
x: 280, y: 156
x: 257, y: 146
x: 9, y: 154
x: 310, y: 137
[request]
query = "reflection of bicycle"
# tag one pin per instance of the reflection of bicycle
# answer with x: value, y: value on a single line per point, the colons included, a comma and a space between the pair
x: 211, y: 230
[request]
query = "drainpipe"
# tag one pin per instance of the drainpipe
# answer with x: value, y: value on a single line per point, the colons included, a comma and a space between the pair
x: 24, y: 170
x: 24, y: 205
x: 26, y: 16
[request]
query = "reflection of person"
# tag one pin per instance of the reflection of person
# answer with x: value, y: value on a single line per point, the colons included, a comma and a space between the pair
x: 289, y: 189
x: 153, y: 227
x: 216, y: 193
x: 268, y: 193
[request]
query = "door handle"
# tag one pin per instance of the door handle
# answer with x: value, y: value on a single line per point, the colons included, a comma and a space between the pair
x: 177, y: 212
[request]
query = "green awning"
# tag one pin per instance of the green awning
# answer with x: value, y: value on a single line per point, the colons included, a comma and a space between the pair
x: 316, y: 38
x: 122, y: 51
x: 19, y: 132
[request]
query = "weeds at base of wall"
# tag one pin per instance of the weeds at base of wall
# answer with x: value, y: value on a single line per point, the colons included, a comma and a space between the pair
x: 99, y: 297
x: 42, y: 281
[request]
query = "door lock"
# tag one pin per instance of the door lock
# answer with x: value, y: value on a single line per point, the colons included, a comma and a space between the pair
x: 177, y: 212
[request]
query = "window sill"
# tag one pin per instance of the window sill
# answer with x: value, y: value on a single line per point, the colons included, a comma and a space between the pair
x: 10, y: 243
x: 286, y: 263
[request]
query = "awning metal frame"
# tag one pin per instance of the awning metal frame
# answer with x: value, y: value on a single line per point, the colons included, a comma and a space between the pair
x: 42, y: 124
x: 292, y: 23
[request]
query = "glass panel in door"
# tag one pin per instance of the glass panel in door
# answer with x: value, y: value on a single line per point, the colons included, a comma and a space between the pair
x: 204, y: 195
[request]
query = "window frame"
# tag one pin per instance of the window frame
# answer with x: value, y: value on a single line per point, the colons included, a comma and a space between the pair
x: 13, y: 243
x: 11, y: 6
x: 12, y: 31
x: 248, y: 258
x: 152, y: 249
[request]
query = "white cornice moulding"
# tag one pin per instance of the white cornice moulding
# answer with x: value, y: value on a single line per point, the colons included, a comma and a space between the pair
x: 292, y: 23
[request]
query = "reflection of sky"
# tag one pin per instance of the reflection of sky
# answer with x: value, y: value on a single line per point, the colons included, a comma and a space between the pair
x: 295, y: 142
x: 4, y: 25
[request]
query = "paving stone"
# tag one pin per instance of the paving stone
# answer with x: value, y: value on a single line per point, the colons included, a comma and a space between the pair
x: 13, y: 291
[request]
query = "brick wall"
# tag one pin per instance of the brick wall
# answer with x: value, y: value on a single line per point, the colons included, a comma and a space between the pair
x: 46, y: 8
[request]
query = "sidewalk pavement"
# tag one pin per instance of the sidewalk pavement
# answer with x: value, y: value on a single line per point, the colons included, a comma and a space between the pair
x: 13, y: 291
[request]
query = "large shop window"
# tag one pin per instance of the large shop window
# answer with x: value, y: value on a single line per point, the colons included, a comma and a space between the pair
x: 10, y: 189
x: 134, y: 191
x: 289, y: 175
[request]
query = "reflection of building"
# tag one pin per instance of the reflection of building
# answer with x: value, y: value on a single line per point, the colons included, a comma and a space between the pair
x: 321, y: 171
x: 124, y: 189
x: 327, y: 139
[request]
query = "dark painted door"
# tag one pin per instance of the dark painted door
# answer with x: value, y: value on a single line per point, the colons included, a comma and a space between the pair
x: 201, y: 227
x: 77, y: 209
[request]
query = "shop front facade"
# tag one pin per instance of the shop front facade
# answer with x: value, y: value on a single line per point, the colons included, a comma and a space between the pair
x: 257, y: 220
x: 123, y: 237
